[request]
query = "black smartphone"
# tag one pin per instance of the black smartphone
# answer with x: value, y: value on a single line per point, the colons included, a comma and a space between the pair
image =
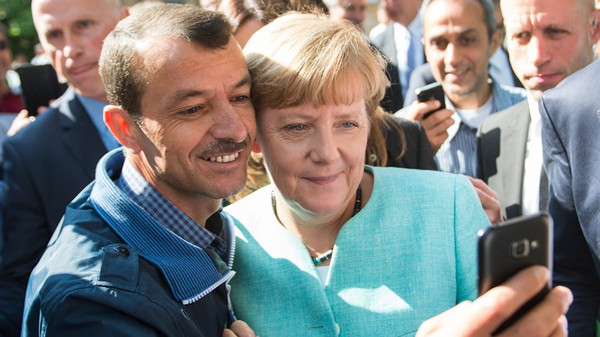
x: 509, y: 247
x: 432, y: 91
x: 40, y: 85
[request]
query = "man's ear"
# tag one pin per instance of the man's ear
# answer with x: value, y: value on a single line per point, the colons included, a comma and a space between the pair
x: 595, y: 25
x: 495, y: 42
x: 123, y: 127
x: 256, y: 147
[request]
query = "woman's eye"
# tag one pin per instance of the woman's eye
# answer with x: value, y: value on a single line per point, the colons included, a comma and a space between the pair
x: 297, y: 127
x: 349, y: 124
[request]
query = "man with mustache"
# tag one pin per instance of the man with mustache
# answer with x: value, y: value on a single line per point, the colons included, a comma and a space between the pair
x: 145, y: 249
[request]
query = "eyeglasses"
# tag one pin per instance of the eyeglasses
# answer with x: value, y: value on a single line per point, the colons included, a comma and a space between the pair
x: 3, y: 45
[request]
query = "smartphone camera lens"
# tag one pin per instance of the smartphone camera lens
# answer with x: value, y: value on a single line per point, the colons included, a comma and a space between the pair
x: 520, y: 249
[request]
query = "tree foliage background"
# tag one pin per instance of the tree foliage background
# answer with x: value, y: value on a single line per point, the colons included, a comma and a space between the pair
x: 16, y: 16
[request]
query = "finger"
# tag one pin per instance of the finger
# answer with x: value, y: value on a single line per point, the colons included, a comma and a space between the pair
x: 543, y: 319
x: 228, y: 333
x: 481, y: 185
x: 436, y: 126
x: 418, y: 110
x: 491, y: 206
x: 41, y: 109
x: 449, y: 319
x: 499, y: 303
x: 240, y: 328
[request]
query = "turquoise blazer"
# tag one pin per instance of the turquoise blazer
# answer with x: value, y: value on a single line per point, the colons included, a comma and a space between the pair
x: 408, y: 255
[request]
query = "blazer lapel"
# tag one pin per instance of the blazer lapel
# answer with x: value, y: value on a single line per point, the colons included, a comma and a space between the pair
x: 80, y: 136
x: 502, y: 152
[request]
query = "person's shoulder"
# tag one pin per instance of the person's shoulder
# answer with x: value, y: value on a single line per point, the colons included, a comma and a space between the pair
x: 508, y: 95
x: 579, y: 88
x: 519, y: 109
x: 252, y: 207
x: 83, y: 252
x: 415, y: 178
x: 45, y: 125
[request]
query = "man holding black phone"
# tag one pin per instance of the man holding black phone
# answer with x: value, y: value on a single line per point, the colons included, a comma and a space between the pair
x: 50, y: 161
x: 459, y: 37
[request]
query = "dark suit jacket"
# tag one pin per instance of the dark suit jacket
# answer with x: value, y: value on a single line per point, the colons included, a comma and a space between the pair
x: 45, y: 166
x: 392, y: 100
x: 570, y: 135
x: 502, y: 141
x: 417, y: 153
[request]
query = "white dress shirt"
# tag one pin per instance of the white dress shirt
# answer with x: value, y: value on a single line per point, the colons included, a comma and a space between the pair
x: 405, y: 39
x: 533, y: 160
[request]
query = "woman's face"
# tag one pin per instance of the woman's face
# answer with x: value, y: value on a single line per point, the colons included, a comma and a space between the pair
x: 315, y: 155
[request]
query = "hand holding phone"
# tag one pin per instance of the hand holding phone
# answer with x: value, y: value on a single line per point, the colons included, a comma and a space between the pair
x: 514, y: 245
x: 433, y: 91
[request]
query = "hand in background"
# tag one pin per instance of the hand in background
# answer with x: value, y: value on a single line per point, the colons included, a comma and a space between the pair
x: 22, y: 120
x: 488, y: 199
x: 436, y: 125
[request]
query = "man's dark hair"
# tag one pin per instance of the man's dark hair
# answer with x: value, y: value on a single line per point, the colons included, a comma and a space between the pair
x: 121, y: 67
x: 488, y: 14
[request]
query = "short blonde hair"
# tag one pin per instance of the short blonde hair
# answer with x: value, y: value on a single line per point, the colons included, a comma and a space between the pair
x: 300, y: 58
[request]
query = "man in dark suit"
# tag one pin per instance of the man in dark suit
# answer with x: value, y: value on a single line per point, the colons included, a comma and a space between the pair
x: 542, y: 53
x: 570, y: 128
x: 50, y: 161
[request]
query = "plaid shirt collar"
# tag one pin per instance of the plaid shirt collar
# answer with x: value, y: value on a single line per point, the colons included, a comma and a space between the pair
x: 164, y: 212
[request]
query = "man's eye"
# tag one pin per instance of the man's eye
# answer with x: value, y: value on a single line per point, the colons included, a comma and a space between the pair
x: 523, y: 36
x: 439, y: 44
x: 192, y: 110
x: 241, y: 99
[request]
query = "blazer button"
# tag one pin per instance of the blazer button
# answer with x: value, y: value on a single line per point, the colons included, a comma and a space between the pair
x: 122, y: 250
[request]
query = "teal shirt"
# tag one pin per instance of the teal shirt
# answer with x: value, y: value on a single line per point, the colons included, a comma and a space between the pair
x: 407, y: 256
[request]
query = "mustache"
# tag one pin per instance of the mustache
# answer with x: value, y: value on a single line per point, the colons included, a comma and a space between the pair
x: 223, y: 147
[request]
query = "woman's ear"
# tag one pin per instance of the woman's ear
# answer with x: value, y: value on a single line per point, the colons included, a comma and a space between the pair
x: 123, y: 127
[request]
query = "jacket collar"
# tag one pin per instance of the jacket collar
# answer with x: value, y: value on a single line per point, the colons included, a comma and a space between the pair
x: 189, y: 270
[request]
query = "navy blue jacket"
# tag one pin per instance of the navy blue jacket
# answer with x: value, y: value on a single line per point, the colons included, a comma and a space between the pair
x: 570, y: 130
x: 45, y: 166
x: 111, y: 270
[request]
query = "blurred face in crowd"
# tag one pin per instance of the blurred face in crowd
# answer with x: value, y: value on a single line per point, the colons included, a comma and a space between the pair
x: 458, y: 48
x: 71, y: 33
x: 547, y: 40
x: 402, y: 11
x: 5, y: 55
x: 197, y: 125
x: 351, y: 10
